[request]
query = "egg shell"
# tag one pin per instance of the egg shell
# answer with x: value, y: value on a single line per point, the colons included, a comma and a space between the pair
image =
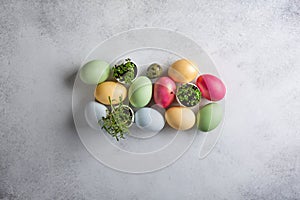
x: 183, y: 71
x: 180, y: 118
x: 110, y: 89
x: 211, y: 87
x: 93, y: 113
x: 164, y: 91
x: 94, y: 72
x: 140, y: 92
x: 149, y: 119
x: 209, y: 117
x: 191, y: 100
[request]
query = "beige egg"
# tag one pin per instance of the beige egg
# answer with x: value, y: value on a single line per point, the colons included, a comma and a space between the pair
x: 110, y: 89
x: 183, y: 71
x: 180, y: 118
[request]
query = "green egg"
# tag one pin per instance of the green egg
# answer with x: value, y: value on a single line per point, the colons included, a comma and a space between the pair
x: 154, y: 71
x: 209, y: 117
x: 140, y: 92
x: 94, y: 72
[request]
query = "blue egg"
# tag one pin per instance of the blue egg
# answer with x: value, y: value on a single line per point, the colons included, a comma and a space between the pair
x: 93, y: 114
x: 149, y: 119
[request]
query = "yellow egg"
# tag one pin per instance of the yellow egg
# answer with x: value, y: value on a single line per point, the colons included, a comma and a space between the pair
x: 183, y: 71
x: 110, y: 89
x: 180, y: 118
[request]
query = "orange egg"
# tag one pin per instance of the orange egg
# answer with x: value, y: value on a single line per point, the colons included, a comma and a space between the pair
x: 183, y: 71
x: 180, y: 118
x: 110, y: 89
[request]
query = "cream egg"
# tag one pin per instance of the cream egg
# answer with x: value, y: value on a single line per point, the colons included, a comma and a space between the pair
x: 180, y: 118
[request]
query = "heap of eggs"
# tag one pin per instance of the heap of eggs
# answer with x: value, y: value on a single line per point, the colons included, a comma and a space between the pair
x: 162, y: 90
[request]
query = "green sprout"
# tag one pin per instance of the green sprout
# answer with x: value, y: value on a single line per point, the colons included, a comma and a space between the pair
x: 189, y: 95
x: 125, y: 71
x: 117, y: 120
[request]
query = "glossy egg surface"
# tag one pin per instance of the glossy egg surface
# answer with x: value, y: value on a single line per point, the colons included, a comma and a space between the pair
x: 211, y: 87
x: 164, y: 91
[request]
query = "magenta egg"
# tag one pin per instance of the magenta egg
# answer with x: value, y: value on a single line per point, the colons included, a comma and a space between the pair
x: 211, y: 87
x: 164, y: 91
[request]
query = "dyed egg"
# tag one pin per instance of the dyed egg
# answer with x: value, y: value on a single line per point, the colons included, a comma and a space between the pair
x: 180, y: 118
x: 183, y: 71
x: 149, y: 119
x: 211, y: 87
x: 209, y: 117
x: 93, y: 114
x: 164, y: 91
x: 94, y: 72
x: 154, y: 70
x: 110, y: 89
x: 140, y: 92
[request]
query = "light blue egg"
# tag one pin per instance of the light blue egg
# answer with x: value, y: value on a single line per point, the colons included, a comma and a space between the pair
x: 93, y: 113
x: 149, y: 119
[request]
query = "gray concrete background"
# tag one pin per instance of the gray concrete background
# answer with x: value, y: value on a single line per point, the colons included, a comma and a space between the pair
x: 256, y: 47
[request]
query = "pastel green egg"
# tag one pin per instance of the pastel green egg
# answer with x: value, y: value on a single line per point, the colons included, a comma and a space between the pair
x: 94, y: 72
x: 209, y: 117
x: 140, y: 92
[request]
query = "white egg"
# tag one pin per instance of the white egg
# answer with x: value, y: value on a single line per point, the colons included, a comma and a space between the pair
x: 149, y: 119
x: 93, y: 113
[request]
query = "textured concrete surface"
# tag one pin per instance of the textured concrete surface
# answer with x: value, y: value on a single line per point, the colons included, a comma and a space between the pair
x: 256, y: 47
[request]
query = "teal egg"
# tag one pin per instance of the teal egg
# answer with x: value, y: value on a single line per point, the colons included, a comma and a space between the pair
x: 140, y: 92
x: 209, y: 117
x: 94, y: 72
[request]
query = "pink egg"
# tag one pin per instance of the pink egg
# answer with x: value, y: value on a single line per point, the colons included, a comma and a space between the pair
x: 164, y: 91
x: 211, y: 87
